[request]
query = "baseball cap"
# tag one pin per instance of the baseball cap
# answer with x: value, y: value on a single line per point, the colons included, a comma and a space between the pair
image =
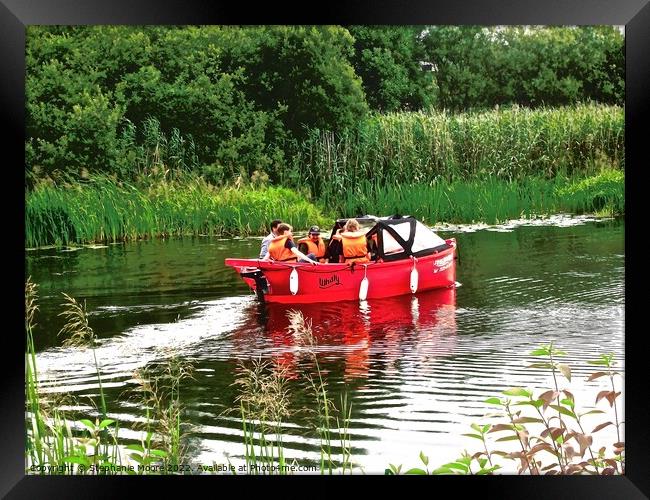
x: 314, y: 230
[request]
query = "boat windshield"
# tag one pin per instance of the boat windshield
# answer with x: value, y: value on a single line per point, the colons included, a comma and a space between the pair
x: 393, y: 238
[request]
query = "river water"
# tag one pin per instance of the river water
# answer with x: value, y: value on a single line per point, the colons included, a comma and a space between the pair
x: 416, y: 370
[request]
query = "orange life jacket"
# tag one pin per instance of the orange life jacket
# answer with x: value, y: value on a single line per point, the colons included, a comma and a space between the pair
x: 355, y: 247
x: 318, y: 249
x: 278, y: 251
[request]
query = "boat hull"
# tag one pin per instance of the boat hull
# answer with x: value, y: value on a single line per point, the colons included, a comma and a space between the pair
x: 339, y: 282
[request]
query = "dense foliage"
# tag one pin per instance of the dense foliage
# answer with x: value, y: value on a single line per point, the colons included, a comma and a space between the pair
x: 387, y: 58
x: 229, y: 101
x: 531, y: 66
x: 103, y: 210
x: 236, y: 93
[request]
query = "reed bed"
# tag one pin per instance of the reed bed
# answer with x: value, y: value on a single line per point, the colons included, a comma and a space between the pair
x: 420, y: 147
x: 437, y: 166
x: 106, y: 211
x: 490, y: 200
x: 264, y: 399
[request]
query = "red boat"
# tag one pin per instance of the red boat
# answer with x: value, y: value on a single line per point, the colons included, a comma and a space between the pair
x: 407, y: 257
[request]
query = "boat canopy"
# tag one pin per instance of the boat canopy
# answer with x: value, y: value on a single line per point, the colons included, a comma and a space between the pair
x: 398, y: 237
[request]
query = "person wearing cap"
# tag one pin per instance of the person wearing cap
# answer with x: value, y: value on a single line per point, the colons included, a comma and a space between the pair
x: 313, y: 244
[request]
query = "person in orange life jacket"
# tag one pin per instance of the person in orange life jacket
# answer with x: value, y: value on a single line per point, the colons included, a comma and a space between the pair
x: 354, y: 242
x: 313, y: 244
x: 283, y: 249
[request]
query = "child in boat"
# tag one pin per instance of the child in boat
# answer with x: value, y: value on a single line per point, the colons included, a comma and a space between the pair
x: 354, y: 242
x: 283, y: 249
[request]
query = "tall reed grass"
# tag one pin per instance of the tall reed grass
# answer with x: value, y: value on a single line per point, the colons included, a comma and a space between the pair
x: 420, y: 147
x: 264, y: 403
x: 490, y: 200
x: 56, y: 444
x: 106, y: 210
x: 109, y: 211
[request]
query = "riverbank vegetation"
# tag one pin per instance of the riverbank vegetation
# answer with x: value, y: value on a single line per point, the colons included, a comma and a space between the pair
x: 128, y: 137
x: 457, y: 168
x: 57, y: 444
x: 105, y: 210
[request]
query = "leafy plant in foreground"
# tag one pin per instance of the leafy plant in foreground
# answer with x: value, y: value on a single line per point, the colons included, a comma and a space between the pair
x: 551, y: 438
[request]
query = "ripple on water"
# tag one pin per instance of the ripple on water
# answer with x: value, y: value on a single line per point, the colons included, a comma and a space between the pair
x: 417, y: 372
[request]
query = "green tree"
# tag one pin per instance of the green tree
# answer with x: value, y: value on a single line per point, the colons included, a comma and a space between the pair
x: 463, y: 61
x: 387, y: 58
x: 478, y: 67
x: 302, y: 70
x: 239, y: 94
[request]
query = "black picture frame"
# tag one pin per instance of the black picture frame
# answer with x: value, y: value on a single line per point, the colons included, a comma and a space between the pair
x: 16, y: 15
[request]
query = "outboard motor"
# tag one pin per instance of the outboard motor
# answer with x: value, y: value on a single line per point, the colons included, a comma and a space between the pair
x: 261, y: 284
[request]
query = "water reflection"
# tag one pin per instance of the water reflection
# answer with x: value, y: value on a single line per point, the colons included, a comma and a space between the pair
x: 417, y: 369
x: 381, y: 332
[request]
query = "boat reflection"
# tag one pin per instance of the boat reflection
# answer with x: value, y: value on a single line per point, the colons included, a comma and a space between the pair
x: 379, y: 334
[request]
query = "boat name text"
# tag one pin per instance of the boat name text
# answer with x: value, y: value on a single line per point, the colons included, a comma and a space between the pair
x: 328, y: 282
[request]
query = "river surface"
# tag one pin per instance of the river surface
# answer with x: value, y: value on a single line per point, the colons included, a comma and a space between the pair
x: 416, y: 370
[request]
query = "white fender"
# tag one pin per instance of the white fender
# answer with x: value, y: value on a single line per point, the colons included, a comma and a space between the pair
x: 363, y: 289
x: 293, y: 281
x: 414, y: 280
